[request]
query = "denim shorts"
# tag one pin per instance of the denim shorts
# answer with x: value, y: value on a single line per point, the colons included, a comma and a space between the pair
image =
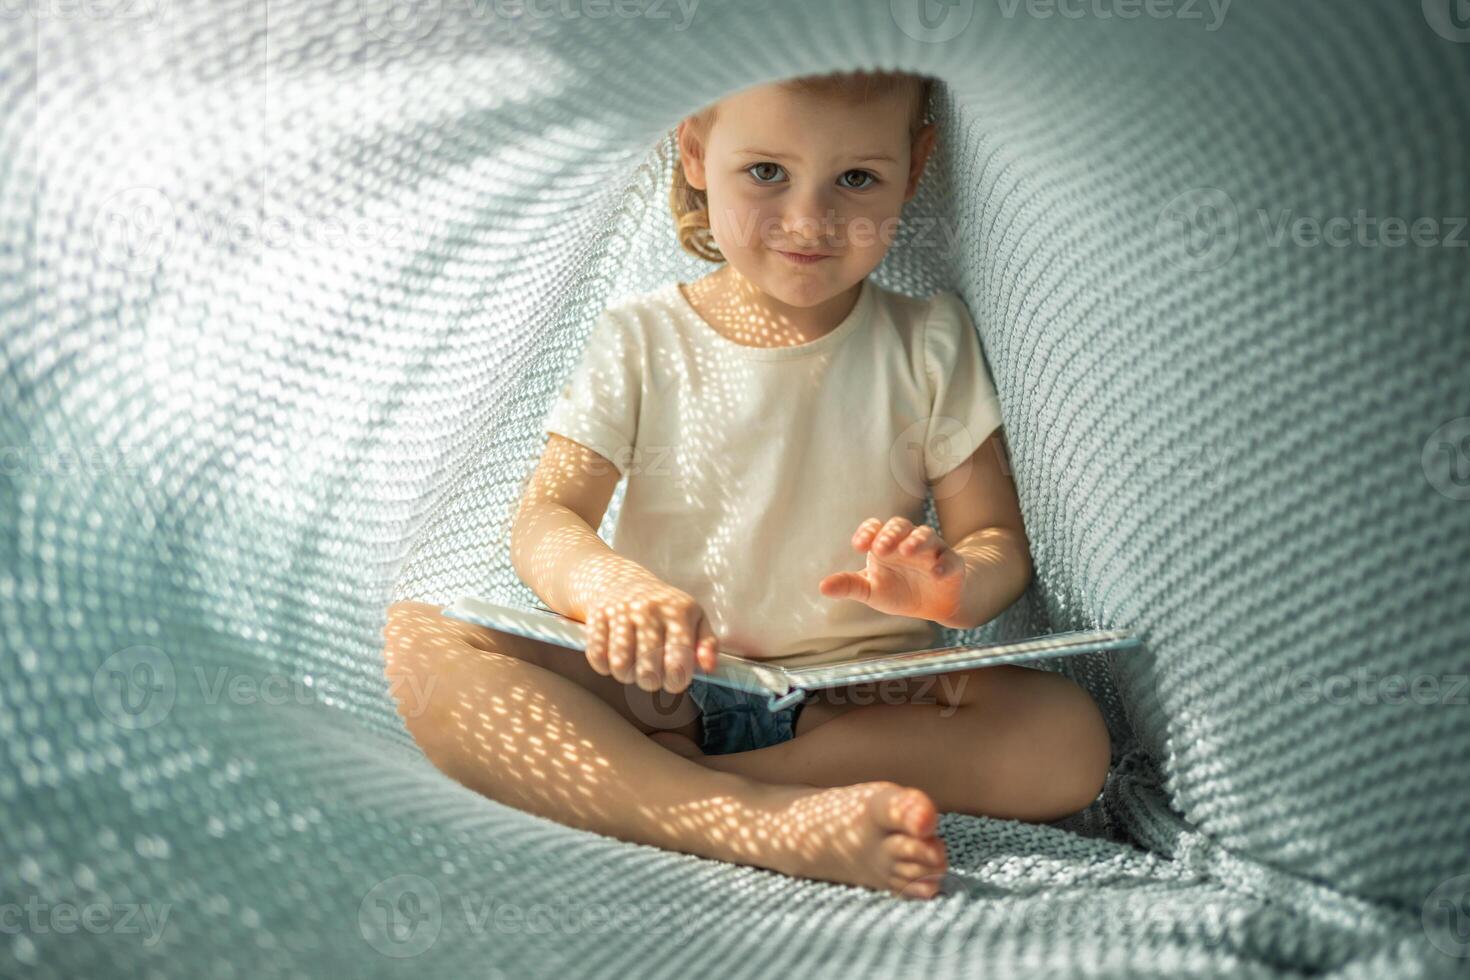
x: 731, y: 720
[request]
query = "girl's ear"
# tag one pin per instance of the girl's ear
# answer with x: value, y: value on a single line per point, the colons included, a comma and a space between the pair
x: 691, y: 156
x: 924, y: 142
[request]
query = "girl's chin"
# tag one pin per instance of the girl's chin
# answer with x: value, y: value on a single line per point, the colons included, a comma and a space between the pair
x: 817, y: 276
x: 795, y: 285
x: 801, y: 294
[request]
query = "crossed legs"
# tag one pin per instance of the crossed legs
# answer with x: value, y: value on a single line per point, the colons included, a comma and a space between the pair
x: 1002, y: 741
x: 854, y: 797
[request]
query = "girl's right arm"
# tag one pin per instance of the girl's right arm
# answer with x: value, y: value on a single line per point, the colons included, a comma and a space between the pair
x: 639, y: 628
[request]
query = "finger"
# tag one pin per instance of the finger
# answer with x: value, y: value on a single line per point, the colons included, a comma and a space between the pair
x: 891, y: 534
x: 708, y: 647
x: 862, y: 538
x: 920, y: 541
x: 649, y: 673
x: 846, y: 585
x: 622, y: 647
x: 595, y: 634
x: 678, y: 654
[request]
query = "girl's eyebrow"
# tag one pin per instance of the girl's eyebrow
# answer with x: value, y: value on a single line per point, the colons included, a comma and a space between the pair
x: 752, y: 151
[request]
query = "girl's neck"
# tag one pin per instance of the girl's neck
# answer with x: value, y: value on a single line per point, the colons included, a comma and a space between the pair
x: 746, y: 314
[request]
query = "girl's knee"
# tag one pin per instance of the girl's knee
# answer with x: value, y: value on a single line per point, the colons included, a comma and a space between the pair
x: 408, y: 619
x: 426, y: 656
x: 413, y: 625
x: 1061, y: 732
x: 1081, y: 743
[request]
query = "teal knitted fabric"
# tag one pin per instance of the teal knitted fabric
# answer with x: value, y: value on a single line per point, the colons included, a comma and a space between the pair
x: 289, y: 287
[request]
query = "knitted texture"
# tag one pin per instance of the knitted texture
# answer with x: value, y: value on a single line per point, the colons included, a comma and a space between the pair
x: 289, y: 288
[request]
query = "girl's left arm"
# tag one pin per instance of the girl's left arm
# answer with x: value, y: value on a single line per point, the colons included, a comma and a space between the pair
x: 980, y: 518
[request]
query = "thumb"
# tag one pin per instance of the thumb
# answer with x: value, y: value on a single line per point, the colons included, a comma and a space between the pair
x: 846, y: 585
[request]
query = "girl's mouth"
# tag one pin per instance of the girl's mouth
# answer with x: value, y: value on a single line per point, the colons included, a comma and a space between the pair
x: 808, y: 258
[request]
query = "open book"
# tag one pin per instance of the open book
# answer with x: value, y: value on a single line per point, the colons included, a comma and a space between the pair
x: 787, y: 681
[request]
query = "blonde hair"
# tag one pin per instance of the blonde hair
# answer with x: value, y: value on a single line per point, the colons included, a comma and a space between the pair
x: 691, y: 206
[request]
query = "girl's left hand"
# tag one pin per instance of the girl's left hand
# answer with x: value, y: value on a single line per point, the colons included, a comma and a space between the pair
x: 910, y: 572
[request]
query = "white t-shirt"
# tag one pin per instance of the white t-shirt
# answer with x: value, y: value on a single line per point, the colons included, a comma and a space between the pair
x: 749, y: 468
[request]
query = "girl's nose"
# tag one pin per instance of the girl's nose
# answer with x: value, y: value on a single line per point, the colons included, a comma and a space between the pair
x: 809, y: 222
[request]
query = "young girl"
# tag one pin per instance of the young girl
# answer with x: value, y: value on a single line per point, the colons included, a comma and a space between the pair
x: 777, y: 421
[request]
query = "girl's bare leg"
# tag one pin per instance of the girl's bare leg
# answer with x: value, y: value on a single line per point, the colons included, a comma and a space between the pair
x: 533, y: 726
x: 1005, y: 741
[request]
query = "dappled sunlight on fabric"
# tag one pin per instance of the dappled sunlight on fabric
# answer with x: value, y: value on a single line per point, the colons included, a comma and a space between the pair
x: 481, y: 709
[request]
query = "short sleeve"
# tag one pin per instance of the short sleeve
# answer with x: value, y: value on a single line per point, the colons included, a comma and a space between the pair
x: 597, y: 405
x: 964, y: 408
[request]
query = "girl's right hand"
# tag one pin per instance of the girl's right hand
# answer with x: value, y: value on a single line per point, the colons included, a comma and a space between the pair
x: 648, y: 632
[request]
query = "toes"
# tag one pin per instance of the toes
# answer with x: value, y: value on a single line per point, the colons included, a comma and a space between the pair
x: 923, y: 884
x: 912, y: 812
x: 926, y: 852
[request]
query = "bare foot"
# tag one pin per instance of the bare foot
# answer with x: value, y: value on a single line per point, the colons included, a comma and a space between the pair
x: 682, y: 744
x: 878, y: 835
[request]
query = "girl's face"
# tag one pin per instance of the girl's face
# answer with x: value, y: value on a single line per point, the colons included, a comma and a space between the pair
x: 786, y: 173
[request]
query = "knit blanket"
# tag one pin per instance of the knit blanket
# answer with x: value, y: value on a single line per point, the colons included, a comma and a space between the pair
x: 290, y: 286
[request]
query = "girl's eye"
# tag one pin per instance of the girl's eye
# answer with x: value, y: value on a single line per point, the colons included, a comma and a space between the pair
x: 766, y: 172
x: 756, y: 166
